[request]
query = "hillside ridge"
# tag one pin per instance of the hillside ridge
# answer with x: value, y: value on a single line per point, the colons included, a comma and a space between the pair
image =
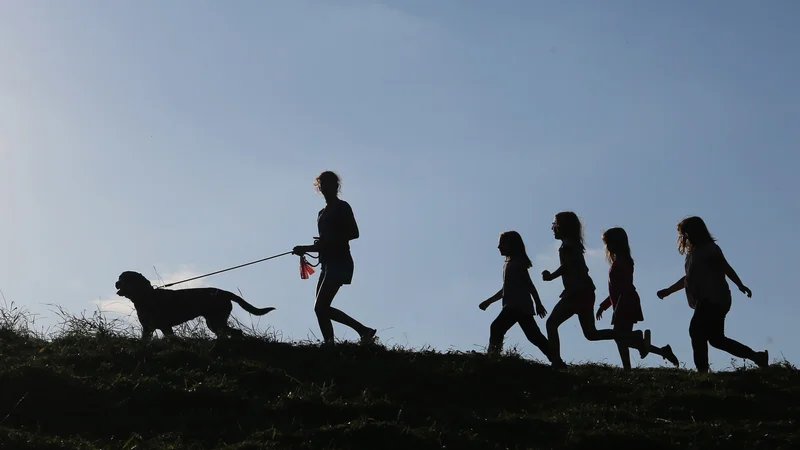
x: 90, y: 386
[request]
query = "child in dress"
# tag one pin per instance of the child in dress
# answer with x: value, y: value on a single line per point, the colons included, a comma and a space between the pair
x: 578, y: 295
x: 622, y: 295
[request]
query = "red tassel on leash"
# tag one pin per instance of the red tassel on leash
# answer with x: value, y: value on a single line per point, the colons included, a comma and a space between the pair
x: 305, y: 268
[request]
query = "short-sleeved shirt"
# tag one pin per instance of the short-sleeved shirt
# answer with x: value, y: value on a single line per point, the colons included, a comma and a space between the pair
x: 705, y: 275
x: 335, y: 224
x: 575, y: 275
x: 516, y: 287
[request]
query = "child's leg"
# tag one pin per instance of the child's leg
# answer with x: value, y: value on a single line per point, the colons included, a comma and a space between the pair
x: 622, y: 346
x: 633, y: 339
x: 717, y: 338
x: 534, y: 334
x: 697, y: 332
x: 498, y: 329
x: 587, y: 320
x: 666, y: 353
x: 560, y: 314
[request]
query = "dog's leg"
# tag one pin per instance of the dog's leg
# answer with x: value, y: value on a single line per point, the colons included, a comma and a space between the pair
x: 147, y: 333
x: 235, y: 333
x: 219, y: 326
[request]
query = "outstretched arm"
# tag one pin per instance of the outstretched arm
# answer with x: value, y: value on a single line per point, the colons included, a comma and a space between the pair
x: 569, y: 259
x: 672, y: 289
x: 301, y: 249
x: 485, y: 304
x: 550, y: 276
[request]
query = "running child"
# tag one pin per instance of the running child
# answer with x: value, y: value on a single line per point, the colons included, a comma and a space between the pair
x: 578, y: 295
x: 708, y: 293
x: 516, y: 294
x: 623, y: 297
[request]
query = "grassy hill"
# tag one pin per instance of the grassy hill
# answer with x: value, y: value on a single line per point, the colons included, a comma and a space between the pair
x: 90, y: 386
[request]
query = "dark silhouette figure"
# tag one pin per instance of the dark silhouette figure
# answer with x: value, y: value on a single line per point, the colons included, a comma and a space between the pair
x: 578, y: 295
x: 337, y: 226
x: 708, y: 293
x: 623, y: 297
x: 516, y: 294
x: 162, y: 309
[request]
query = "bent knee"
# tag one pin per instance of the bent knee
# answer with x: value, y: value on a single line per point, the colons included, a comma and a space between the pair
x: 717, y: 341
x: 321, y: 309
x: 591, y: 335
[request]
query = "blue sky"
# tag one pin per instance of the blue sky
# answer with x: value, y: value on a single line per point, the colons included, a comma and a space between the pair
x: 185, y: 135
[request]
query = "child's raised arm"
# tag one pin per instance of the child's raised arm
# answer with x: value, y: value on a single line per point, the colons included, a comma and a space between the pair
x: 550, y: 276
x: 672, y: 289
x: 485, y: 304
x: 569, y: 259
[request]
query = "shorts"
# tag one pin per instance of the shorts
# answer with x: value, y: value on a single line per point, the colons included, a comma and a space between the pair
x: 337, y: 271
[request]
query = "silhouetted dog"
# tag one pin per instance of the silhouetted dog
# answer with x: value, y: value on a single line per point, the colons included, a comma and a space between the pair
x: 162, y: 309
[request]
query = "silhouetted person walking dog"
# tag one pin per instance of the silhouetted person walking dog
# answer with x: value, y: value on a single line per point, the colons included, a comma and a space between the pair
x: 516, y: 293
x: 708, y: 293
x: 623, y: 297
x: 336, y: 226
x: 578, y: 295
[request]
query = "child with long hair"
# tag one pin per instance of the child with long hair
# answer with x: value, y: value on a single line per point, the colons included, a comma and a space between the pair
x: 708, y: 293
x: 622, y: 295
x: 578, y: 295
x: 516, y: 293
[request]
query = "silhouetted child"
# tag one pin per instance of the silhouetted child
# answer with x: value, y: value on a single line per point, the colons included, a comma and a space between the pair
x: 516, y: 294
x: 708, y: 293
x: 622, y: 295
x: 578, y: 295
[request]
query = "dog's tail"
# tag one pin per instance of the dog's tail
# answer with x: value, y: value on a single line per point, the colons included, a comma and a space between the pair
x: 250, y: 308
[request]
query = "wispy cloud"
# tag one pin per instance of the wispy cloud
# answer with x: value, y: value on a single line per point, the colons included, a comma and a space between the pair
x: 595, y: 253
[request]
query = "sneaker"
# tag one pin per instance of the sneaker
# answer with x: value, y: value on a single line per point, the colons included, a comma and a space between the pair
x: 645, y: 349
x: 762, y: 359
x: 670, y: 356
